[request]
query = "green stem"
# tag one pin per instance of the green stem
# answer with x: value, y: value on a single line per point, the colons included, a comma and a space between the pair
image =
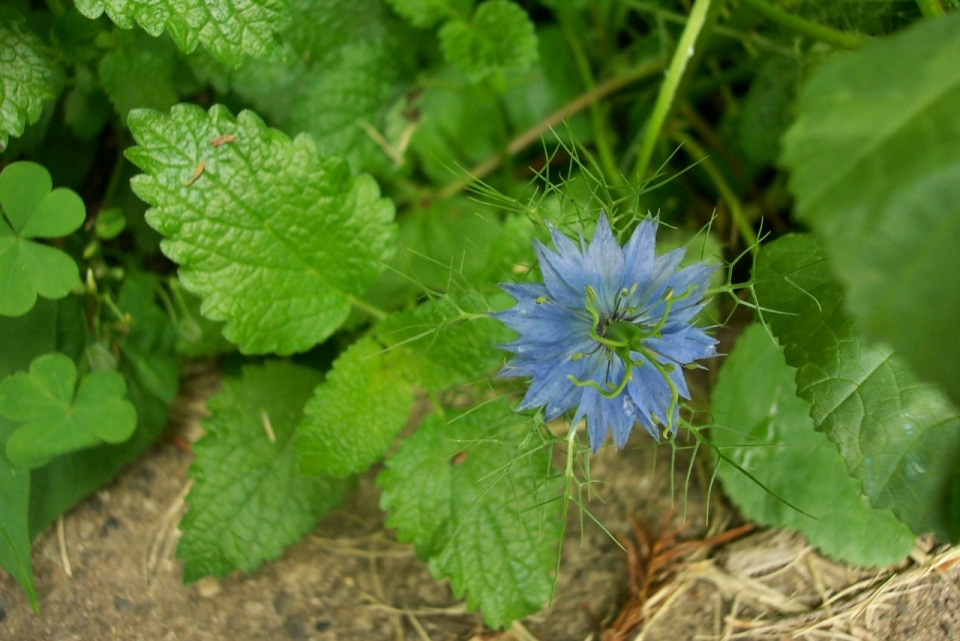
x: 596, y: 112
x: 699, y: 154
x: 536, y: 132
x: 805, y: 27
x: 682, y: 55
x: 931, y: 8
x: 373, y: 310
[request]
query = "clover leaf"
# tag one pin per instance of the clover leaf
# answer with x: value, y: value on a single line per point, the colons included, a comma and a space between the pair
x: 59, y: 418
x: 32, y: 210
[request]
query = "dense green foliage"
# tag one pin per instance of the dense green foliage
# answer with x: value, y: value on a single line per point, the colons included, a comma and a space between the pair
x: 326, y: 194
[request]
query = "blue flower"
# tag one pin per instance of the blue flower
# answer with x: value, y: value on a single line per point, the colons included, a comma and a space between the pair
x: 609, y: 332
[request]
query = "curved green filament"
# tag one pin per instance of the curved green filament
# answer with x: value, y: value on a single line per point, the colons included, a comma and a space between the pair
x: 606, y: 394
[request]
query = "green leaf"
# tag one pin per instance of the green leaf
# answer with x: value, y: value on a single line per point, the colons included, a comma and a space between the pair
x: 354, y: 416
x: 197, y: 335
x: 138, y: 73
x: 25, y: 76
x: 277, y: 240
x: 148, y: 347
x: 761, y: 425
x: 14, y: 519
x: 68, y: 478
x: 767, y: 109
x: 32, y: 210
x: 227, y: 30
x: 57, y: 420
x: 249, y: 501
x: 499, y: 39
x: 424, y: 14
x: 476, y: 496
x: 874, y: 168
x: 347, y: 63
x: 437, y: 348
x: 86, y: 109
x: 459, y: 126
x: 897, y: 434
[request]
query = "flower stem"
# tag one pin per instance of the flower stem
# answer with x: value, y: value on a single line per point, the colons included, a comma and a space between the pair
x: 807, y: 28
x: 675, y: 73
x: 931, y: 8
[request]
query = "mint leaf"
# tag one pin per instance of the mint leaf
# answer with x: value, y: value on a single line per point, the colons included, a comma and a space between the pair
x: 138, y: 73
x: 346, y: 64
x: 277, y: 240
x: 437, y: 348
x: 874, y: 169
x: 32, y: 210
x: 355, y: 415
x: 459, y: 126
x: 227, y: 30
x: 897, y: 434
x: 427, y: 13
x: 55, y: 419
x: 249, y: 501
x: 499, y: 39
x: 487, y: 519
x: 14, y: 519
x: 25, y: 76
x: 763, y: 427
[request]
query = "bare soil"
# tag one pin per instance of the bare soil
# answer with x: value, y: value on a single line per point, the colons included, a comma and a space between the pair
x: 350, y: 580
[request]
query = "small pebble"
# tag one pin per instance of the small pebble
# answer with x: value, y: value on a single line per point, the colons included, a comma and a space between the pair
x: 253, y: 608
x: 3, y: 614
x: 121, y: 605
x: 112, y: 523
x: 322, y: 625
x: 208, y: 587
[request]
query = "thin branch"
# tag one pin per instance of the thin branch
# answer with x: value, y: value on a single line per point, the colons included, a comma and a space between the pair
x: 565, y: 112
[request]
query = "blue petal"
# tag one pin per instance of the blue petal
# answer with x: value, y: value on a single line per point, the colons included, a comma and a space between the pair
x: 685, y: 346
x: 551, y: 386
x: 639, y: 254
x: 604, y: 264
x: 562, y: 275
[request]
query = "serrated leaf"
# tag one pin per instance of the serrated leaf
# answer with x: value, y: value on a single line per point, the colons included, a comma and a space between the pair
x: 138, y: 73
x: 32, y: 210
x: 25, y: 76
x: 438, y: 348
x: 459, y: 126
x: 277, y: 240
x: 427, y: 13
x: 499, y: 39
x: 476, y: 496
x: 347, y: 63
x: 249, y: 501
x: 762, y: 426
x: 355, y: 414
x: 57, y: 416
x: 228, y: 30
x: 873, y: 157
x: 896, y: 434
